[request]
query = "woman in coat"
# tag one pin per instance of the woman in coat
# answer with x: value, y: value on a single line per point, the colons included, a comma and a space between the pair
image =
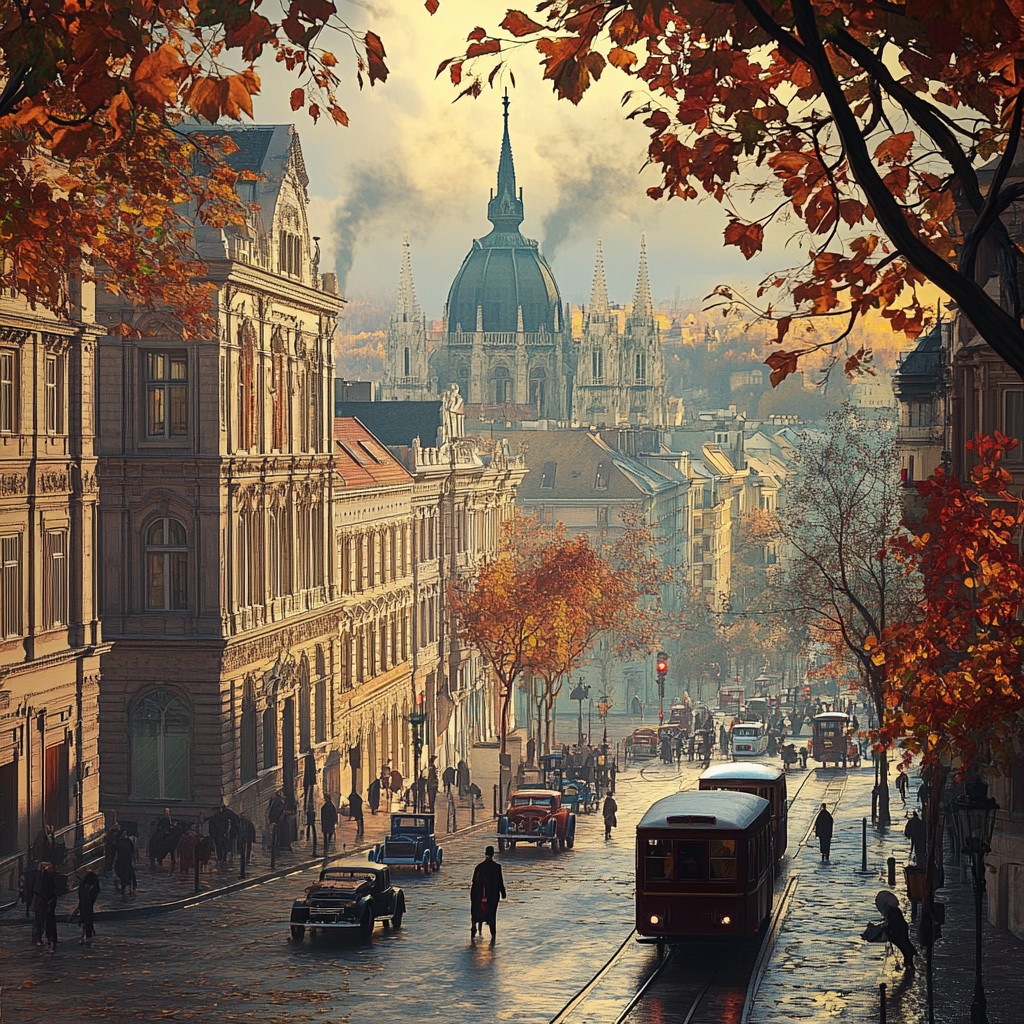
x: 608, y: 811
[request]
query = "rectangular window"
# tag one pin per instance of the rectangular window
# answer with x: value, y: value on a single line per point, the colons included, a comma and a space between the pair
x: 547, y: 480
x: 602, y: 515
x: 7, y: 395
x: 10, y: 585
x: 54, y: 406
x: 166, y: 394
x: 723, y: 859
x: 602, y: 476
x: 55, y: 582
x: 1013, y: 422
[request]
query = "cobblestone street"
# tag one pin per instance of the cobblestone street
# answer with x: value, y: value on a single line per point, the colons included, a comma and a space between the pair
x: 230, y: 959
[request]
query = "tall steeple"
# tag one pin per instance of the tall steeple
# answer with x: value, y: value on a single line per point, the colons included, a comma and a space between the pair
x: 643, y: 306
x: 599, y: 295
x: 505, y: 210
x: 408, y: 309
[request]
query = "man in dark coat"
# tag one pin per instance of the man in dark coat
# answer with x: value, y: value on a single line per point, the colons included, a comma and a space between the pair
x: 918, y: 836
x: 608, y: 812
x: 328, y: 820
x: 373, y: 796
x: 355, y: 810
x: 823, y: 825
x: 448, y: 778
x: 220, y: 827
x: 124, y: 856
x: 487, y: 891
x: 275, y: 817
x: 432, y: 783
x: 88, y: 890
x: 44, y: 906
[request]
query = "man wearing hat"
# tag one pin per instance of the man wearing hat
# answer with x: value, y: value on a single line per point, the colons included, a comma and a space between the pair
x: 487, y: 890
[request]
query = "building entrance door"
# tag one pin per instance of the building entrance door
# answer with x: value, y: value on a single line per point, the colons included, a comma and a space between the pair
x: 9, y: 807
x: 288, y: 745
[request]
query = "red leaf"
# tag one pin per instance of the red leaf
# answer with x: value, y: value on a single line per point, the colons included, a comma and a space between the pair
x: 519, y: 24
x: 749, y: 237
x: 432, y: 6
x: 895, y: 149
x: 477, y: 34
x: 480, y: 49
x: 456, y: 72
x: 298, y: 99
x: 782, y: 364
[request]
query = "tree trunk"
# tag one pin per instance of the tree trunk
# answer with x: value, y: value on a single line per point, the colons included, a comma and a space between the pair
x: 506, y: 701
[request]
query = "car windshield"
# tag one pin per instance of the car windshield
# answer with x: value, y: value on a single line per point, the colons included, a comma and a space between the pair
x: 532, y: 801
x: 746, y: 732
x: 404, y: 824
x: 353, y: 877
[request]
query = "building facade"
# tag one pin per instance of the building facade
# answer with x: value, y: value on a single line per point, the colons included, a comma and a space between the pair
x: 50, y: 636
x: 217, y: 476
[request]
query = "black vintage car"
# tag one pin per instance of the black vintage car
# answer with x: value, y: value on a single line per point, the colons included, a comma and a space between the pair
x: 350, y: 894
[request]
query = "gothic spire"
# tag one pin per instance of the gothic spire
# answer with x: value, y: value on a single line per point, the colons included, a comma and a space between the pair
x: 505, y: 210
x: 599, y: 295
x: 642, y: 305
x: 408, y: 308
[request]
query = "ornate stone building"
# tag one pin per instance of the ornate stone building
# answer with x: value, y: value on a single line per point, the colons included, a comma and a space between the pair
x: 217, y: 476
x: 406, y: 373
x: 620, y: 377
x: 50, y: 637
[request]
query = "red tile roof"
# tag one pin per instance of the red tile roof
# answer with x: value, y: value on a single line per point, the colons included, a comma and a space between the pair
x: 362, y: 460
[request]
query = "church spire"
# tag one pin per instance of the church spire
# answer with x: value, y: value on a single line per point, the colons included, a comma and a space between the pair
x: 505, y: 210
x: 642, y: 305
x: 599, y: 295
x: 408, y: 308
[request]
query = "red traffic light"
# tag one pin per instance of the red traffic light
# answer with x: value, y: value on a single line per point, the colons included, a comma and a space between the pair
x: 662, y: 666
x: 807, y: 691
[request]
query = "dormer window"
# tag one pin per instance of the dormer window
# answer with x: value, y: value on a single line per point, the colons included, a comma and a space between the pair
x: 289, y: 254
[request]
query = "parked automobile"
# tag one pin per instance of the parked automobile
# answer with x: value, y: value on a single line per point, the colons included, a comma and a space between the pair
x: 578, y: 795
x: 537, y: 816
x: 410, y: 842
x: 351, y: 894
x: 642, y: 743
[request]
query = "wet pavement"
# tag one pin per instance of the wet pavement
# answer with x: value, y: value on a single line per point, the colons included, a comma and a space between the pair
x: 230, y: 959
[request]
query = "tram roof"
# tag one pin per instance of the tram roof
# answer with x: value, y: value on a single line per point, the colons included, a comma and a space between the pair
x: 832, y: 716
x: 749, y: 771
x: 729, y: 810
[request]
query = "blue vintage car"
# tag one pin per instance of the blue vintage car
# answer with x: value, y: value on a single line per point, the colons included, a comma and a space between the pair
x: 411, y: 841
x: 578, y: 796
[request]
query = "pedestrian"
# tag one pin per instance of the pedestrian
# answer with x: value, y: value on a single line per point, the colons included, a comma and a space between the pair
x: 610, y: 820
x: 462, y: 777
x: 448, y: 778
x: 531, y: 749
x: 308, y: 779
x: 187, y: 849
x: 219, y: 829
x: 124, y: 855
x: 901, y: 784
x: 918, y: 836
x: 691, y: 747
x: 385, y: 784
x: 723, y: 740
x: 355, y: 810
x: 329, y: 819
x: 487, y: 891
x: 823, y: 825
x: 88, y: 890
x: 773, y: 745
x: 432, y: 783
x: 44, y: 906
x: 397, y: 783
x: 275, y: 816
x: 373, y: 796
x: 289, y: 822
x: 896, y: 929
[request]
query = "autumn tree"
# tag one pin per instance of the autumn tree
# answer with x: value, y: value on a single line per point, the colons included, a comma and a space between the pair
x: 864, y: 123
x: 843, y: 577
x: 585, y: 598
x: 99, y: 177
x: 954, y: 670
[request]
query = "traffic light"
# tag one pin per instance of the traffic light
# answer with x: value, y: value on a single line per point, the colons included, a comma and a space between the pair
x: 662, y: 663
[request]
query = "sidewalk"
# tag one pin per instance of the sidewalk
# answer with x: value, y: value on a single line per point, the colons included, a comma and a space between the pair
x: 159, y: 890
x: 820, y: 968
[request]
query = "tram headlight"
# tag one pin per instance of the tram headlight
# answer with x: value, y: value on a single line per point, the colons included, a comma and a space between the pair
x: 655, y: 919
x: 726, y: 919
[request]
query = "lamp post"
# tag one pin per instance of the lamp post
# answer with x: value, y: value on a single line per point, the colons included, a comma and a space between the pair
x: 662, y: 667
x: 975, y: 814
x: 417, y: 719
x: 580, y: 693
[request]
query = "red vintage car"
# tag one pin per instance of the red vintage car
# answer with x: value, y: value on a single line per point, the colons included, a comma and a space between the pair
x: 537, y: 816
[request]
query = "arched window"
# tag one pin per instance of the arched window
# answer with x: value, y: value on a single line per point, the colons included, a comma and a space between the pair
x: 305, y: 695
x: 406, y: 374
x: 639, y: 368
x: 597, y: 365
x: 270, y: 736
x: 159, y: 729
x: 166, y: 566
x: 247, y: 733
x: 320, y: 697
x: 502, y: 385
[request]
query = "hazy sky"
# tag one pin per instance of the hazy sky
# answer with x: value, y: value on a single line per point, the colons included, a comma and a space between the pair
x: 413, y: 161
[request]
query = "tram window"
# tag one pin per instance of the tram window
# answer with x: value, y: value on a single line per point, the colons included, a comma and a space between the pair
x: 690, y: 861
x: 659, y: 860
x: 723, y: 859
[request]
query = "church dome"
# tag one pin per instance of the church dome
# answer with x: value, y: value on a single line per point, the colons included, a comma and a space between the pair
x: 504, y: 275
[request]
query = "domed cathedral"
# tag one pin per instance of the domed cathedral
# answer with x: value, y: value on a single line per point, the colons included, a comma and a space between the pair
x: 507, y: 340
x: 620, y: 379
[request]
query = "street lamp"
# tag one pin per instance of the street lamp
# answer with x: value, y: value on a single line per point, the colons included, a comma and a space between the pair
x: 580, y: 692
x: 975, y: 815
x: 662, y: 667
x: 417, y: 719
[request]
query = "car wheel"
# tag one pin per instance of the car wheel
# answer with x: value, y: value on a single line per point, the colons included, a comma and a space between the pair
x: 440, y: 859
x: 426, y: 863
x: 366, y: 925
x: 298, y: 932
x: 396, y: 919
x: 570, y: 840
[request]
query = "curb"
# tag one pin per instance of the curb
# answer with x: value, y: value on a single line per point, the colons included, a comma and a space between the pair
x: 767, y: 947
x: 188, y: 902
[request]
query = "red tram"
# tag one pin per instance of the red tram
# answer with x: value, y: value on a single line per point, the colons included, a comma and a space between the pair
x: 763, y: 780
x: 704, y: 865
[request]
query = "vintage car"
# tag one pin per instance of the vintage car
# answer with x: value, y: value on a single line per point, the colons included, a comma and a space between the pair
x: 642, y: 743
x: 537, y: 816
x: 411, y: 841
x: 578, y: 795
x: 349, y: 894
